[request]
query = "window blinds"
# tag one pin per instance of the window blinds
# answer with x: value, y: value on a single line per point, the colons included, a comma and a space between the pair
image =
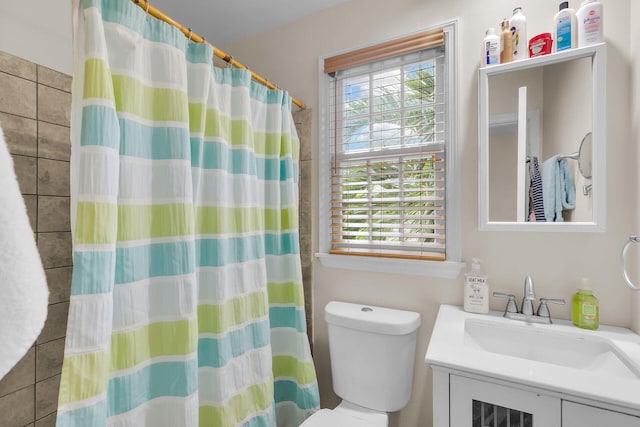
x: 388, y: 140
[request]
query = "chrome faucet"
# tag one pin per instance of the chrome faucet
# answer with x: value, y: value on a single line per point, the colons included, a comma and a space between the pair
x: 527, y: 313
x: 529, y: 297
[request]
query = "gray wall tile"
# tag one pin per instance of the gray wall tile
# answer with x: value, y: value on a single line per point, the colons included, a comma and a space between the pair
x: 17, y: 66
x: 56, y: 79
x: 47, y: 396
x: 53, y: 214
x: 17, y: 96
x: 304, y: 120
x: 20, y: 133
x: 54, y: 105
x: 59, y: 281
x: 17, y: 409
x: 31, y: 202
x: 53, y: 177
x: 55, y: 249
x: 56, y: 324
x: 26, y: 172
x: 21, y: 376
x: 304, y: 126
x: 54, y: 141
x: 49, y: 359
x: 305, y: 214
x: 48, y: 421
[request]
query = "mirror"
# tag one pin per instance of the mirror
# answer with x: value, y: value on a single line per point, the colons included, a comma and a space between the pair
x: 542, y: 144
x: 585, y: 156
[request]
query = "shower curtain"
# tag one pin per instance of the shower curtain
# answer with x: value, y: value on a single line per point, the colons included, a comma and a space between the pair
x: 187, y: 305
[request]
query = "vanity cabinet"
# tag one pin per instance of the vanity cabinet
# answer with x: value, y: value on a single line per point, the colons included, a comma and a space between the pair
x: 470, y: 400
x: 577, y: 415
x: 489, y: 404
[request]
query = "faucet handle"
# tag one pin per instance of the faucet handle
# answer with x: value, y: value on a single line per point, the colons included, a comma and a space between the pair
x: 511, y: 307
x: 543, y: 309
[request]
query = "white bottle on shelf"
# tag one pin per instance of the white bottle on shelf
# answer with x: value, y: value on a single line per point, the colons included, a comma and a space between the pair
x: 564, y: 28
x: 518, y: 25
x: 590, y: 23
x: 491, y: 54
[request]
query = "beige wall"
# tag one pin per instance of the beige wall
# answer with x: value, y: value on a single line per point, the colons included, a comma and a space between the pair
x: 39, y: 32
x: 289, y: 56
x: 635, y: 134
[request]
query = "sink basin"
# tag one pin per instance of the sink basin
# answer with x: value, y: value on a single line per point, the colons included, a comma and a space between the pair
x: 574, y: 351
x: 601, y: 365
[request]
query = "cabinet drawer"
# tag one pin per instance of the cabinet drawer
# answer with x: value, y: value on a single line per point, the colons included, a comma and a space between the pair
x: 577, y: 415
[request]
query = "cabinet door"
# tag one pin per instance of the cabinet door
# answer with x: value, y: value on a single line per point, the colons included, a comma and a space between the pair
x: 476, y: 403
x: 577, y: 415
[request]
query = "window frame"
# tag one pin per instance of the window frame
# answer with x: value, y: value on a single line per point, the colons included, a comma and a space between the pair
x: 450, y: 268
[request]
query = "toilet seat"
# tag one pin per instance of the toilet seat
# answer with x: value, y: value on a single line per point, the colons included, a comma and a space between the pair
x: 347, y: 415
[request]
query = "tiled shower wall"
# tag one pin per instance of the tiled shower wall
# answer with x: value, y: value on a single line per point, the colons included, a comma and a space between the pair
x: 304, y: 120
x: 35, y: 104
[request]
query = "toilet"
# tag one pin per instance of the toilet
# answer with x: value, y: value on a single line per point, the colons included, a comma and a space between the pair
x: 372, y: 352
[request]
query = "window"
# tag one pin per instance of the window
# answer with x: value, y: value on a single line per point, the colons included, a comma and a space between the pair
x: 389, y: 173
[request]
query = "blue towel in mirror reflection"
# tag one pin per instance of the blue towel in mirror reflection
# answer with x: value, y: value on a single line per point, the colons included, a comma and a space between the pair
x: 558, y: 190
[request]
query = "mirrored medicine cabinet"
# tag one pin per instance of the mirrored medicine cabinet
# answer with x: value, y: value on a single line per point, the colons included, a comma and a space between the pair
x: 537, y: 111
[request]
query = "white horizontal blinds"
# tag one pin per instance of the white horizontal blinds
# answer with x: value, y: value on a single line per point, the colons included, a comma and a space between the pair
x: 388, y: 143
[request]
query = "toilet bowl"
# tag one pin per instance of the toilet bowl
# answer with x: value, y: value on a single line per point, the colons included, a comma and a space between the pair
x: 372, y: 352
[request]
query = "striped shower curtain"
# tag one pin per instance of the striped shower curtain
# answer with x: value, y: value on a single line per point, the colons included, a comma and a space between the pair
x: 187, y: 306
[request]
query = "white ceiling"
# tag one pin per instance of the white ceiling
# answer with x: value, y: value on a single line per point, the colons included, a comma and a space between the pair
x: 225, y: 21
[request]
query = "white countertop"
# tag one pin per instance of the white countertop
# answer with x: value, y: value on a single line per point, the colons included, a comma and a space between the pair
x: 447, y: 348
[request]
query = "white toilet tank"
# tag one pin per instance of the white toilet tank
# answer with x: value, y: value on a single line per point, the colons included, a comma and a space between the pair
x: 372, y: 354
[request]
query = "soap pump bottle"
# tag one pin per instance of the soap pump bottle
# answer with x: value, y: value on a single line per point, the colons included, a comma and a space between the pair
x: 476, y: 289
x: 584, y: 307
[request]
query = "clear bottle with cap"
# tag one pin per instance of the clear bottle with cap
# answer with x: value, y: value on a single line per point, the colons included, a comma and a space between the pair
x: 476, y: 289
x: 564, y: 27
x: 584, y: 307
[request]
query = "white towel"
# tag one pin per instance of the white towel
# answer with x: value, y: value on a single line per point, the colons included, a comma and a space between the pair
x: 23, y: 285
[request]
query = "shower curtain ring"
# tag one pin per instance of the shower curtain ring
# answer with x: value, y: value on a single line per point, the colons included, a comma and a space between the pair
x: 147, y: 8
x: 229, y: 60
x: 189, y: 33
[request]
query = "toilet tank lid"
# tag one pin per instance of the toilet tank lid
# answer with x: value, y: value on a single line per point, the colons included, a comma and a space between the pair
x: 370, y: 318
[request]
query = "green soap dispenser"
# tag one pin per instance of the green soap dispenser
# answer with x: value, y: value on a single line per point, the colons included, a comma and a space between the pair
x: 584, y: 307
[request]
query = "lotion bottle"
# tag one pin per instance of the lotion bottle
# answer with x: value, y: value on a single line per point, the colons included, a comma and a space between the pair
x: 518, y: 26
x: 491, y: 54
x: 564, y: 28
x: 590, y: 23
x: 476, y: 289
x: 506, y: 43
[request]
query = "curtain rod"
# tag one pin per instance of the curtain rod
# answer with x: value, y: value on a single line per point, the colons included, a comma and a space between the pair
x: 153, y: 11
